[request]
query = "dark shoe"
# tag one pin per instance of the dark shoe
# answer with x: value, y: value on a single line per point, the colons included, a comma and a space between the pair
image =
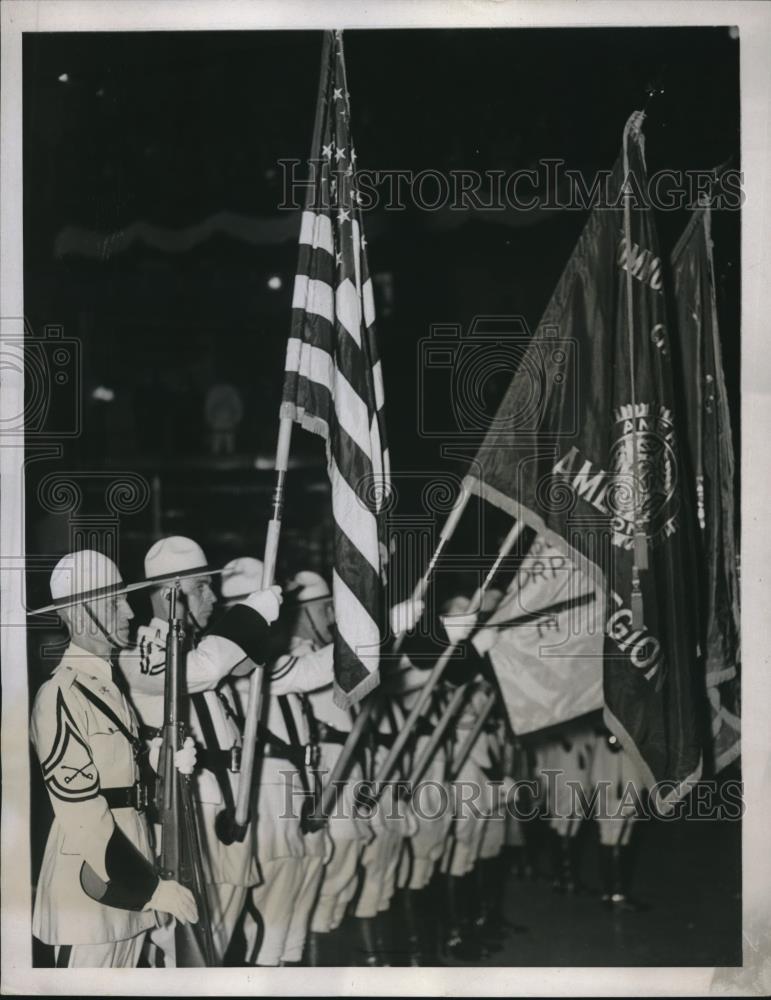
x: 606, y: 873
x: 557, y: 864
x: 620, y: 899
x: 313, y: 956
x: 462, y: 949
x: 370, y: 951
x: 409, y: 947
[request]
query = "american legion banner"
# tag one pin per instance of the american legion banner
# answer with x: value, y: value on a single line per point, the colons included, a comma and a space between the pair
x: 585, y: 448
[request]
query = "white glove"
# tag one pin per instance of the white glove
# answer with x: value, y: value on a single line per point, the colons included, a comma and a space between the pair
x: 171, y: 897
x: 266, y: 602
x: 299, y: 647
x: 405, y: 616
x: 485, y: 639
x: 184, y: 758
x: 459, y: 627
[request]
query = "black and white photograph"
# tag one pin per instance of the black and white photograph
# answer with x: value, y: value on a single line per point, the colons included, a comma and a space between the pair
x: 383, y: 435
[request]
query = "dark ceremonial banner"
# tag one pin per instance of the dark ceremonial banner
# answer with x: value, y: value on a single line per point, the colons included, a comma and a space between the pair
x: 711, y: 458
x: 584, y: 448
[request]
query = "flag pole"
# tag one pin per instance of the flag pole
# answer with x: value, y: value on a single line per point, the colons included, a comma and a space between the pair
x: 640, y: 549
x: 436, y: 737
x: 438, y: 669
x: 341, y: 764
x: 460, y: 758
x: 444, y: 536
x: 254, y: 705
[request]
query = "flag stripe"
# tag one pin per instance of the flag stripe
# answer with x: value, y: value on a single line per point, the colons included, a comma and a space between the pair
x: 333, y: 383
x: 316, y: 231
x: 356, y: 627
x: 314, y: 297
x: 353, y: 520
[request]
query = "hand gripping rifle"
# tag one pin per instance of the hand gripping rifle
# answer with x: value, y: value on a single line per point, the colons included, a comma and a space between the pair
x: 180, y: 856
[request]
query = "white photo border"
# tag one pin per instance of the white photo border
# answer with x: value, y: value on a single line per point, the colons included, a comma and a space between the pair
x: 754, y: 23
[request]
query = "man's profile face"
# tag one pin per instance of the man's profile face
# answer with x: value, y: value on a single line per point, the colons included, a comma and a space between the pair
x: 120, y: 614
x: 316, y: 621
x: 200, y: 599
x: 112, y: 615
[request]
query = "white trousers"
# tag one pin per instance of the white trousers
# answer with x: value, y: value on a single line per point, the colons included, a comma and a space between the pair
x: 338, y: 885
x: 110, y: 955
x: 380, y: 860
x: 283, y: 903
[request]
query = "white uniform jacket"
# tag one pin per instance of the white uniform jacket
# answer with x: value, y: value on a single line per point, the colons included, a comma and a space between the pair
x: 81, y: 751
x: 279, y: 788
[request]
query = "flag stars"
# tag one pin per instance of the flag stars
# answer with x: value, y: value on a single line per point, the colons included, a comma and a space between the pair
x: 353, y: 155
x: 340, y: 154
x: 339, y: 259
x: 326, y: 151
x: 338, y: 94
x: 343, y: 216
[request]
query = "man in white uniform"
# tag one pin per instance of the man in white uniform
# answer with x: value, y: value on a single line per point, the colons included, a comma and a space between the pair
x: 85, y: 735
x: 349, y: 832
x: 564, y: 764
x: 229, y: 866
x: 289, y: 855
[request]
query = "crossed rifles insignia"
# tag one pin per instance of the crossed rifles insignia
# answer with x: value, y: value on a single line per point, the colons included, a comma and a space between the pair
x: 69, y: 770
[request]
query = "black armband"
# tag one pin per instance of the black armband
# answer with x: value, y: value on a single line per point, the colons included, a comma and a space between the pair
x: 132, y: 878
x: 246, y: 628
x: 422, y: 649
x: 466, y: 664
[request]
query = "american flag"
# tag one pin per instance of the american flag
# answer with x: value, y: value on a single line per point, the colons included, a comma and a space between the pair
x: 333, y: 383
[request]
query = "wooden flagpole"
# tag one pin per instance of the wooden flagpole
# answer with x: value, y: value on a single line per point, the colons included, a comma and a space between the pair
x: 340, y: 768
x: 439, y: 730
x: 444, y: 536
x: 438, y: 669
x: 254, y: 705
x: 460, y: 758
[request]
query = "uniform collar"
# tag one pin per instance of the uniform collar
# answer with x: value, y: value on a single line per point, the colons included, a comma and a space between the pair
x: 161, y: 626
x: 80, y: 660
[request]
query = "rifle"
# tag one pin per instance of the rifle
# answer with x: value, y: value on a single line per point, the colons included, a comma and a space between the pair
x: 180, y: 856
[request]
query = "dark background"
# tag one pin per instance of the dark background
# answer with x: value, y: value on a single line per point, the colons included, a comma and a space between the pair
x: 172, y: 129
x: 130, y: 135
